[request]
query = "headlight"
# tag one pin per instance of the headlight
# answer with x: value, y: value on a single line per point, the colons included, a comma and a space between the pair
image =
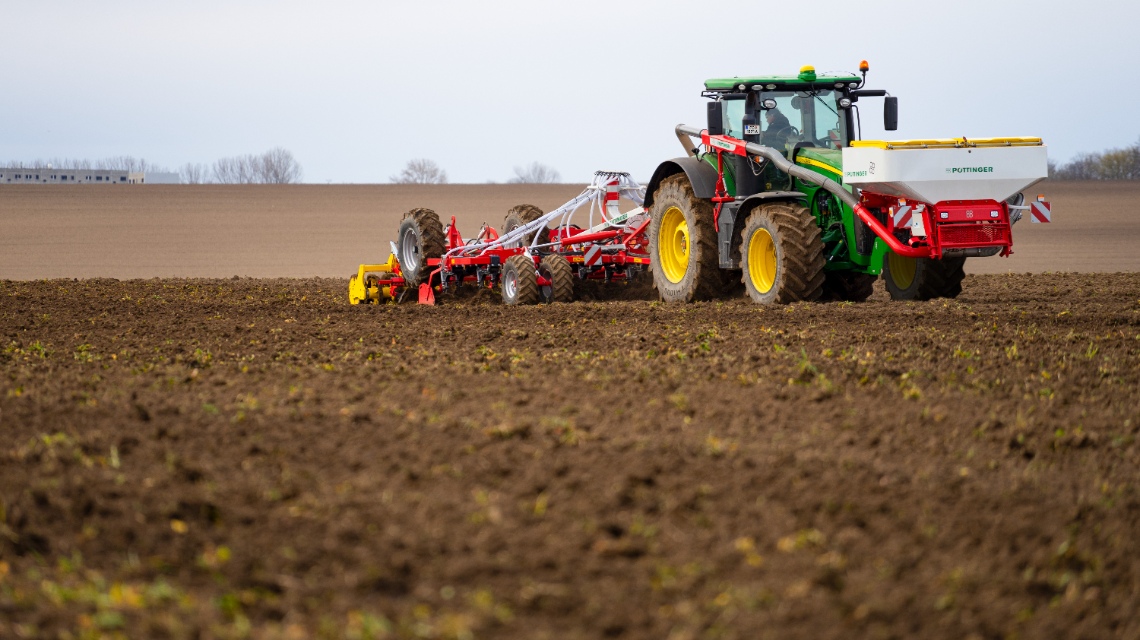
x: 844, y: 103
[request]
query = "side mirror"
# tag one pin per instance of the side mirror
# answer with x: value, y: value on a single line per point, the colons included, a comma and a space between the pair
x: 891, y: 113
x: 716, y: 118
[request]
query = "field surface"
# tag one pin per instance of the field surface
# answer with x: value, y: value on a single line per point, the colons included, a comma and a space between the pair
x: 237, y: 457
x: 145, y: 231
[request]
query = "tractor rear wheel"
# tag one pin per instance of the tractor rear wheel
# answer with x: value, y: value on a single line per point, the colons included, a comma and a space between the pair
x: 682, y: 243
x: 420, y: 238
x: 518, y: 282
x: 557, y: 269
x: 782, y: 254
x: 923, y: 278
x: 519, y: 215
x: 849, y: 286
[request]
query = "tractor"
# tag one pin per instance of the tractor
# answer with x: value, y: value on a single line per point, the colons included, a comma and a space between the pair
x: 780, y: 194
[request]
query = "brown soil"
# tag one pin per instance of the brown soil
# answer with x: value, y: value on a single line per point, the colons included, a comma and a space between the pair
x: 217, y: 458
x: 143, y: 231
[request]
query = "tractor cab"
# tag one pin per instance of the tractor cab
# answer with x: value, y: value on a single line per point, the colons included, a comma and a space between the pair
x: 809, y: 117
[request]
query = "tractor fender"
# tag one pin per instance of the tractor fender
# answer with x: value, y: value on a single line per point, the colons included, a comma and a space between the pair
x: 700, y: 174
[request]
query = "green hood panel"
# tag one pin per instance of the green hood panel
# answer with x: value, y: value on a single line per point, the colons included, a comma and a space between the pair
x: 813, y: 157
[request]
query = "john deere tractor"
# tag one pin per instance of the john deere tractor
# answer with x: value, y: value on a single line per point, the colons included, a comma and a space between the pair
x: 779, y: 194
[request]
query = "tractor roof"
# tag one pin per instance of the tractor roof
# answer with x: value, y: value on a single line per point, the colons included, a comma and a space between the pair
x: 806, y: 78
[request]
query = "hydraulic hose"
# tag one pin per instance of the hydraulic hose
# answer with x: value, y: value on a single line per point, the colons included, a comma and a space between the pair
x: 783, y: 164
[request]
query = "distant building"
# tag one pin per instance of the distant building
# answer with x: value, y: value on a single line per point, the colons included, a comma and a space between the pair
x: 156, y: 177
x: 45, y: 175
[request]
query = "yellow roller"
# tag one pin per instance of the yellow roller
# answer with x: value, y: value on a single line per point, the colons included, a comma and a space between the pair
x: 372, y: 282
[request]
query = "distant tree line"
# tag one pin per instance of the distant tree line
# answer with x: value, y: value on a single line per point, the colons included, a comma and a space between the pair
x: 117, y: 163
x: 424, y: 171
x: 1114, y: 164
x: 420, y: 171
x: 276, y: 166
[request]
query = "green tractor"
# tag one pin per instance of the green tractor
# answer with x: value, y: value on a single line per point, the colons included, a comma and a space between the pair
x: 780, y: 195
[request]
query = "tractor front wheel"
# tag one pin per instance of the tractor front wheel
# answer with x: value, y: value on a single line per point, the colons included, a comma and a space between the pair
x: 923, y: 278
x: 682, y: 243
x: 420, y: 238
x: 519, y: 281
x: 782, y: 254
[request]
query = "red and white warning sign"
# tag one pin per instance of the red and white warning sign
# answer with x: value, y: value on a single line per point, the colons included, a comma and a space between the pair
x: 1041, y: 211
x: 593, y: 255
x: 613, y: 193
x: 902, y: 217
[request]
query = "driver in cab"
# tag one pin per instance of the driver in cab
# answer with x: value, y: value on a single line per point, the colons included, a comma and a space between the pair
x: 776, y: 135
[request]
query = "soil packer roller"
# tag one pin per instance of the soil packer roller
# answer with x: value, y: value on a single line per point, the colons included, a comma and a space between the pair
x: 528, y: 262
x: 781, y: 194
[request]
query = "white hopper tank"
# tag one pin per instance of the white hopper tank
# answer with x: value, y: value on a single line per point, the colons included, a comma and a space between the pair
x: 935, y: 171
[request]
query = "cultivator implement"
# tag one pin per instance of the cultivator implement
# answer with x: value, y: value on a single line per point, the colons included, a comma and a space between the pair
x: 529, y: 262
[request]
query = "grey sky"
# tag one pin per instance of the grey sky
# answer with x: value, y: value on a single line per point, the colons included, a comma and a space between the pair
x: 355, y: 89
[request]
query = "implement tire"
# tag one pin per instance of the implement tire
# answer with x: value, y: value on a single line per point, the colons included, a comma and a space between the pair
x: 419, y: 239
x: 518, y: 282
x: 561, y: 275
x: 519, y: 215
x: 923, y: 278
x: 682, y: 244
x: 848, y: 286
x: 782, y: 254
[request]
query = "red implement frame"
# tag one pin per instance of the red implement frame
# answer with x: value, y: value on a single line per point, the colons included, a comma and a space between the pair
x: 624, y: 247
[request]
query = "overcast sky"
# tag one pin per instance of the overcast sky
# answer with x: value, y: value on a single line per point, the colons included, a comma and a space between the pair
x: 355, y: 89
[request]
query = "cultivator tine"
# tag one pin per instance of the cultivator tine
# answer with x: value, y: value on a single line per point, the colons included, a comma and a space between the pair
x: 427, y: 294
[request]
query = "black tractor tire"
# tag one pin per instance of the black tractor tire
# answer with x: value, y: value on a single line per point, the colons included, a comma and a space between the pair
x: 557, y: 269
x: 848, y: 286
x: 420, y: 237
x: 518, y: 281
x: 693, y: 272
x: 519, y: 215
x: 930, y: 279
x: 790, y: 261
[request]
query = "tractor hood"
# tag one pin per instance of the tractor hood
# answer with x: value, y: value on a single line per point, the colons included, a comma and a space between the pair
x: 829, y: 162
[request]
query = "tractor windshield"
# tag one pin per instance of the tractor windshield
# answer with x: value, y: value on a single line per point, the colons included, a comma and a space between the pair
x: 808, y: 118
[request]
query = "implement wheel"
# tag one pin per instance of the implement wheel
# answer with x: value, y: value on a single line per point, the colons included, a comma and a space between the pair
x: 420, y: 238
x: 923, y: 278
x: 557, y: 269
x: 682, y: 244
x: 849, y: 286
x: 782, y: 254
x: 519, y: 215
x: 518, y: 282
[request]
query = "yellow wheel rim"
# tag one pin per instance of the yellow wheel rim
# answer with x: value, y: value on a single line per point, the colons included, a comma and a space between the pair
x: 673, y: 245
x: 902, y: 270
x: 762, y: 260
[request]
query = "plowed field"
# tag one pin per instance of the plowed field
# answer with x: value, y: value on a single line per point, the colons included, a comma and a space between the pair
x: 223, y: 458
x: 301, y: 231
